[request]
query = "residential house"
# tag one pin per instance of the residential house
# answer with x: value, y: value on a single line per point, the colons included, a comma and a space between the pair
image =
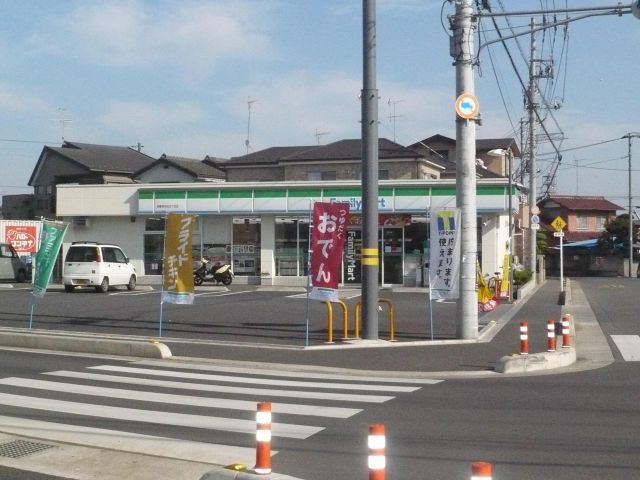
x: 170, y: 169
x: 17, y: 207
x: 341, y: 160
x: 81, y: 163
x: 585, y: 218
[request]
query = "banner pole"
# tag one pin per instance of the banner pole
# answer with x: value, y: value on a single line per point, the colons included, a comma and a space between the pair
x: 160, y: 322
x: 31, y: 315
x: 430, y: 313
x: 306, y: 341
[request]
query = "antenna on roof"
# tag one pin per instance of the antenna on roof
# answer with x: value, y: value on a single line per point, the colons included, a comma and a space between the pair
x: 138, y: 146
x: 247, y: 142
x: 62, y: 121
x: 392, y: 115
x: 319, y: 134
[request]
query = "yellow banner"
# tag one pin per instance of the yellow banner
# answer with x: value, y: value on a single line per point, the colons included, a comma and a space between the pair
x: 177, y: 267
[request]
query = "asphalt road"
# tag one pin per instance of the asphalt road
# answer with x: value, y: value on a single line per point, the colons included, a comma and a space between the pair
x: 566, y: 425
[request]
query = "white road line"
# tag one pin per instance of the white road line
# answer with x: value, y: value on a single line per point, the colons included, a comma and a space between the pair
x: 208, y: 402
x: 128, y: 442
x: 254, y: 381
x: 629, y: 346
x: 263, y: 392
x: 280, y: 373
x: 156, y: 417
x: 221, y: 294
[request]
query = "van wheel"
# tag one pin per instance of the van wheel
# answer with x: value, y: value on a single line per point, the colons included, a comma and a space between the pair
x: 21, y: 277
x: 104, y: 286
x: 132, y: 283
x: 69, y: 288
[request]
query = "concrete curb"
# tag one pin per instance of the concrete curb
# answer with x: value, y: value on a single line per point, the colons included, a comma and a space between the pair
x: 225, y: 474
x: 536, y: 361
x: 77, y: 343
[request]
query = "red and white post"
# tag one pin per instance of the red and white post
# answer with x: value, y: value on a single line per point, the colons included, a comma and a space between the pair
x: 263, y: 439
x: 524, y: 338
x: 377, y: 460
x: 566, y: 330
x: 481, y: 471
x: 551, y: 336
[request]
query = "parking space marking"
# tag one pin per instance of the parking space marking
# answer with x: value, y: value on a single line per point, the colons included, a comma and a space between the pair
x: 221, y: 294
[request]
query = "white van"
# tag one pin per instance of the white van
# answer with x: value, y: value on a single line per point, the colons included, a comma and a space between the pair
x: 11, y: 266
x: 92, y: 264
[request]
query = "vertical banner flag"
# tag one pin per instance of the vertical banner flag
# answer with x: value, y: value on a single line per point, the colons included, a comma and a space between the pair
x: 328, y: 232
x: 444, y: 259
x: 50, y: 242
x: 177, y: 268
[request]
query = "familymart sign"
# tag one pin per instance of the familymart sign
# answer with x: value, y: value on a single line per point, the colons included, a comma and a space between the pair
x: 298, y: 200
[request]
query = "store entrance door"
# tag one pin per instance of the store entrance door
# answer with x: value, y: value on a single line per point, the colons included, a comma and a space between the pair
x: 390, y: 240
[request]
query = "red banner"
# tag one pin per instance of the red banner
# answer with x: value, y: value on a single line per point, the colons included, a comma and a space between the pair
x: 21, y: 238
x: 329, y: 229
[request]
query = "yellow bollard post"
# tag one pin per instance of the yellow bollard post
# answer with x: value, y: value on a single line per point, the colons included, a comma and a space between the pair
x: 329, y: 322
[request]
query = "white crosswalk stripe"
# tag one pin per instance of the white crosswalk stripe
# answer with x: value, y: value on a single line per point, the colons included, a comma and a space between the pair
x: 174, y: 398
x: 629, y: 346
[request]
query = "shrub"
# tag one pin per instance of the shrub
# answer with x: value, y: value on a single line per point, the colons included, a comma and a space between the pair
x: 520, y: 277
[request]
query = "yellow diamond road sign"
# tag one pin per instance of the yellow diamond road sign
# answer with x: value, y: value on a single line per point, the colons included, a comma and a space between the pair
x: 558, y: 224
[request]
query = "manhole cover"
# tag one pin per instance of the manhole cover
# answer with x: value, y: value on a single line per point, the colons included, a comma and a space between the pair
x: 21, y: 448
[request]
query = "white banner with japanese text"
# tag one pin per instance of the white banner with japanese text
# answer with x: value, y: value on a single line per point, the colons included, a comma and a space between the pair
x: 444, y: 259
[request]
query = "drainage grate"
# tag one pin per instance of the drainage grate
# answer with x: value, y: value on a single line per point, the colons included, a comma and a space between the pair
x: 21, y: 448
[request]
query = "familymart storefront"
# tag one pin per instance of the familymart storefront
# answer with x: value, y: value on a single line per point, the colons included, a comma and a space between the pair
x: 262, y: 229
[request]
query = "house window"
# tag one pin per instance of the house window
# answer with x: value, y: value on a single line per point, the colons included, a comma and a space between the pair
x: 582, y: 222
x: 601, y: 221
x: 321, y: 176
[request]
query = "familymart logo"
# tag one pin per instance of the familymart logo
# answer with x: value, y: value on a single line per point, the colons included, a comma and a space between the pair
x: 355, y: 203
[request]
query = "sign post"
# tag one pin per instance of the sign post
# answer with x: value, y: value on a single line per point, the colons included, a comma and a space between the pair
x: 558, y: 225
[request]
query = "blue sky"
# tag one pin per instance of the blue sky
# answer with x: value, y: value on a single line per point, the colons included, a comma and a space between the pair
x: 176, y: 76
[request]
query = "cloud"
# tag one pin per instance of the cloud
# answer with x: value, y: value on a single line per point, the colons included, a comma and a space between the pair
x: 190, y: 37
x: 141, y: 119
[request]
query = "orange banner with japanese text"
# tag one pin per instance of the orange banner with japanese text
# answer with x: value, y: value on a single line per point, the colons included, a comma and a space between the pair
x: 177, y: 266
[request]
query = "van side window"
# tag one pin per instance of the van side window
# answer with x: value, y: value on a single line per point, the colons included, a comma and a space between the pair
x: 120, y: 257
x: 108, y: 255
x: 4, y: 251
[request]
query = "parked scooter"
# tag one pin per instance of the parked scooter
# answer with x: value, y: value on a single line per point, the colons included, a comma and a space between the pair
x: 218, y: 272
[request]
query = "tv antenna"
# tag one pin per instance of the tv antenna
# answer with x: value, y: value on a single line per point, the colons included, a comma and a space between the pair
x: 320, y: 134
x: 63, y: 121
x: 247, y: 142
x: 392, y: 114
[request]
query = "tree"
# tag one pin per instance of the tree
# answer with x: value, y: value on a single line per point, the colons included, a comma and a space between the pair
x: 615, y: 237
x: 542, y: 243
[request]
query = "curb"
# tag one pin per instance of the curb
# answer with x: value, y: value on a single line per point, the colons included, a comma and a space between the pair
x: 225, y: 474
x: 77, y: 343
x: 536, y: 361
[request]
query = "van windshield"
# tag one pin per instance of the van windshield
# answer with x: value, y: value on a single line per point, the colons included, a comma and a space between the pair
x: 81, y: 254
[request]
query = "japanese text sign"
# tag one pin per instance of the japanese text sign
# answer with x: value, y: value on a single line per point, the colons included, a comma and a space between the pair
x: 444, y: 259
x: 22, y: 238
x: 329, y: 230
x: 177, y: 268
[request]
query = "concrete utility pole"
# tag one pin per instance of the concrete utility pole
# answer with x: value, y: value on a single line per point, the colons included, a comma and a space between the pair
x: 467, y: 307
x: 629, y: 136
x: 532, y: 106
x: 369, y: 99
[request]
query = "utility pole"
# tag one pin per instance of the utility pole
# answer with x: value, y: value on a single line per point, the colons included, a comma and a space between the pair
x: 629, y: 136
x: 247, y: 142
x: 467, y: 307
x: 369, y: 99
x: 532, y: 106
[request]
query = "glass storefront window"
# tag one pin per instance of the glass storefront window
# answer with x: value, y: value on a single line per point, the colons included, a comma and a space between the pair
x: 292, y: 245
x: 245, y: 249
x: 153, y: 244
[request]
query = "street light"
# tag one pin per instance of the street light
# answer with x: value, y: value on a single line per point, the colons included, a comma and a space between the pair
x: 629, y: 136
x: 501, y: 152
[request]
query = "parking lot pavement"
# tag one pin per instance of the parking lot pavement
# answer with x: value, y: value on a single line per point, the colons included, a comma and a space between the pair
x: 228, y: 324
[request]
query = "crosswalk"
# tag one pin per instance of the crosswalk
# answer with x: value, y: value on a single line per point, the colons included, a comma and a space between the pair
x: 629, y: 347
x: 178, y: 399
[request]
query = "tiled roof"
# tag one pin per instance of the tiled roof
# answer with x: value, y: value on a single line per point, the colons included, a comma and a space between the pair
x: 195, y: 167
x: 105, y: 158
x: 582, y: 203
x: 337, y: 151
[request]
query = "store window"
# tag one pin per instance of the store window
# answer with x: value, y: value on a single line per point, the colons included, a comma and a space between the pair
x: 245, y: 249
x: 153, y: 243
x: 292, y: 245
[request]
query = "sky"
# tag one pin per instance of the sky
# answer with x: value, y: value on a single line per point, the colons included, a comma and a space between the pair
x: 199, y: 77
